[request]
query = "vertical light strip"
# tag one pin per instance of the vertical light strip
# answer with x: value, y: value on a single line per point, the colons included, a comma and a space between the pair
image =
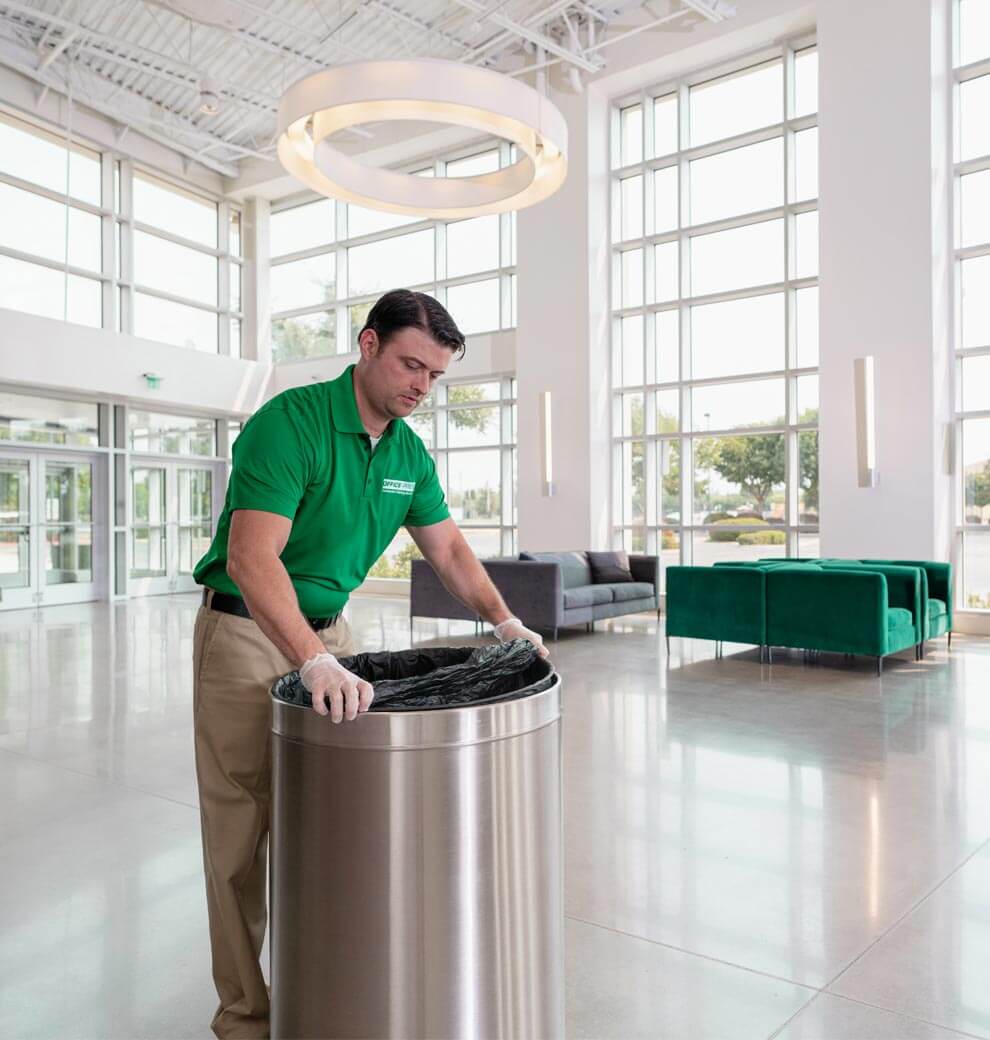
x: 546, y: 442
x: 866, y: 448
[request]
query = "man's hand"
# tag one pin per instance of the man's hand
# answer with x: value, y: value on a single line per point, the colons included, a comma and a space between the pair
x: 513, y: 628
x: 325, y: 678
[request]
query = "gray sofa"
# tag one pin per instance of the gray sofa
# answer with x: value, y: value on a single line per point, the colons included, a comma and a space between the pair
x: 546, y: 591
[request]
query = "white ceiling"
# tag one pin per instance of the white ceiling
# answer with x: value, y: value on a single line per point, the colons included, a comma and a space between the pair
x: 143, y: 62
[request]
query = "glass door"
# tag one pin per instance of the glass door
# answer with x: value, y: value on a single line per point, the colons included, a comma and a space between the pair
x: 149, y: 530
x: 172, y: 509
x: 15, y: 533
x: 67, y: 541
x: 195, y: 485
x: 51, y: 545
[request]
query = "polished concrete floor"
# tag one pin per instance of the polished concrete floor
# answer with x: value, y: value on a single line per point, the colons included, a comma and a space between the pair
x: 752, y: 851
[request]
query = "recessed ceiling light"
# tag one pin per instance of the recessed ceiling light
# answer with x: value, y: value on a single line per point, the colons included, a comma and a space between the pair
x: 209, y: 96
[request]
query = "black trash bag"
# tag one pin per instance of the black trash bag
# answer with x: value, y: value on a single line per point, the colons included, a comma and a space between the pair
x: 439, y: 677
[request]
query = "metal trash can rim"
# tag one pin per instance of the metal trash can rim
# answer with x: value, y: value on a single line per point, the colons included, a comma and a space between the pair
x: 405, y: 730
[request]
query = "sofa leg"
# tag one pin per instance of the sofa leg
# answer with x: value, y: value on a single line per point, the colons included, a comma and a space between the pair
x: 555, y: 635
x: 950, y: 639
x: 668, y: 646
x: 879, y: 666
x: 769, y: 654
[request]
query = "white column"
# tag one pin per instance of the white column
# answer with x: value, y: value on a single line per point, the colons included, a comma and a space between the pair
x: 562, y: 342
x: 256, y: 331
x: 884, y: 107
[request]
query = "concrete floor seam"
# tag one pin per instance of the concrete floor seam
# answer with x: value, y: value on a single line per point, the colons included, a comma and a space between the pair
x: 876, y: 1007
x: 827, y: 988
x: 693, y: 953
x: 99, y: 779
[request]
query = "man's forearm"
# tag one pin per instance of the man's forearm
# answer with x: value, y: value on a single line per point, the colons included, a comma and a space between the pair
x: 465, y: 577
x: 267, y: 590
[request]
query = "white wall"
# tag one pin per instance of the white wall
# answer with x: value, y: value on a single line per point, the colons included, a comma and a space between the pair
x: 486, y: 355
x: 562, y: 343
x: 885, y: 237
x: 39, y: 353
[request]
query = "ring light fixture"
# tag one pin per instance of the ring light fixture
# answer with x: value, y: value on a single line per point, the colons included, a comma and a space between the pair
x: 314, y: 109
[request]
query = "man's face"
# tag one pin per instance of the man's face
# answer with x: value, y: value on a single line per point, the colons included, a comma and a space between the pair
x: 401, y: 372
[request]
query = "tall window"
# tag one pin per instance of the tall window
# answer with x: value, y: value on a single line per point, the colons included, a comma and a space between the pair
x: 182, y: 273
x: 52, y: 203
x: 972, y: 268
x: 85, y: 238
x: 470, y: 429
x: 331, y: 261
x: 715, y: 314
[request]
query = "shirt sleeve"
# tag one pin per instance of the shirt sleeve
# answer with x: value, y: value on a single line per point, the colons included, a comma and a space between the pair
x: 271, y: 465
x: 428, y: 505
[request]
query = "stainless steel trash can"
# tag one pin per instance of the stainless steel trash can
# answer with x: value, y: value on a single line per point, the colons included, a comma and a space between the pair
x: 416, y: 873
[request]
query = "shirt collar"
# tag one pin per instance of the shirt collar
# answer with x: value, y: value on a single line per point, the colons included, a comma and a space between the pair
x: 343, y: 406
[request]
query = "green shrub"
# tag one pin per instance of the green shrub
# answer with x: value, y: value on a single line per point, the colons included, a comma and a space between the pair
x: 717, y: 518
x: 762, y: 538
x: 726, y: 532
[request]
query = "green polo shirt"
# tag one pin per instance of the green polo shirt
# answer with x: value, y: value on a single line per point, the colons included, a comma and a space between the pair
x: 306, y: 455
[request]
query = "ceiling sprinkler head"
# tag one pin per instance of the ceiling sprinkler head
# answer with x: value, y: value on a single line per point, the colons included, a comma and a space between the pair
x: 209, y: 96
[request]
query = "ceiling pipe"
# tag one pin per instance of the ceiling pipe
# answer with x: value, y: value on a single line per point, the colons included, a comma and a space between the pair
x: 573, y: 72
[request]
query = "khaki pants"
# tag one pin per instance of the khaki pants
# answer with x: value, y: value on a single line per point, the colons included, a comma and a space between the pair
x: 234, y: 666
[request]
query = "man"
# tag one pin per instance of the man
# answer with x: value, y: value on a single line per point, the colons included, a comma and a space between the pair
x: 323, y: 477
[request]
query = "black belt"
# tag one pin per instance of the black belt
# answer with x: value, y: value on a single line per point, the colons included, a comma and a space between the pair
x: 235, y: 605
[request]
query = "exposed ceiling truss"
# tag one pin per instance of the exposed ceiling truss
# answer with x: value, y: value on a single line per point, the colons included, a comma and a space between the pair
x: 146, y: 65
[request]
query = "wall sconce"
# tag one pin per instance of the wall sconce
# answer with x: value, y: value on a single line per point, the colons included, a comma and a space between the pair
x: 866, y: 422
x: 546, y: 443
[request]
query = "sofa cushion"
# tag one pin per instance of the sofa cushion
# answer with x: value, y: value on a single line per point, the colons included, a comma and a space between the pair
x: 609, y: 567
x: 586, y: 596
x: 574, y: 568
x: 936, y: 608
x: 898, y: 616
x: 623, y: 591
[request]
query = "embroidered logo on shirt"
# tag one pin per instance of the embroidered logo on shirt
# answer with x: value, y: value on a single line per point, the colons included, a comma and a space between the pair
x: 398, y: 487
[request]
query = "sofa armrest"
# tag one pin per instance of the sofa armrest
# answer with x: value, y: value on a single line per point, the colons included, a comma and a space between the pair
x: 828, y: 609
x: 939, y: 581
x: 904, y: 588
x: 717, y: 603
x: 428, y: 596
x: 532, y: 590
x: 646, y: 568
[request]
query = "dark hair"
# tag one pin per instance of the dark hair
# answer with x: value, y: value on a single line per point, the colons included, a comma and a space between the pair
x: 402, y: 309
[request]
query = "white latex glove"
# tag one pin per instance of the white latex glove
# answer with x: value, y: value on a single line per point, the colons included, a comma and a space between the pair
x: 325, y: 678
x: 513, y: 628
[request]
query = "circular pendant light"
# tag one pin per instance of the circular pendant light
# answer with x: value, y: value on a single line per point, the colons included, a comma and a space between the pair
x: 319, y: 106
